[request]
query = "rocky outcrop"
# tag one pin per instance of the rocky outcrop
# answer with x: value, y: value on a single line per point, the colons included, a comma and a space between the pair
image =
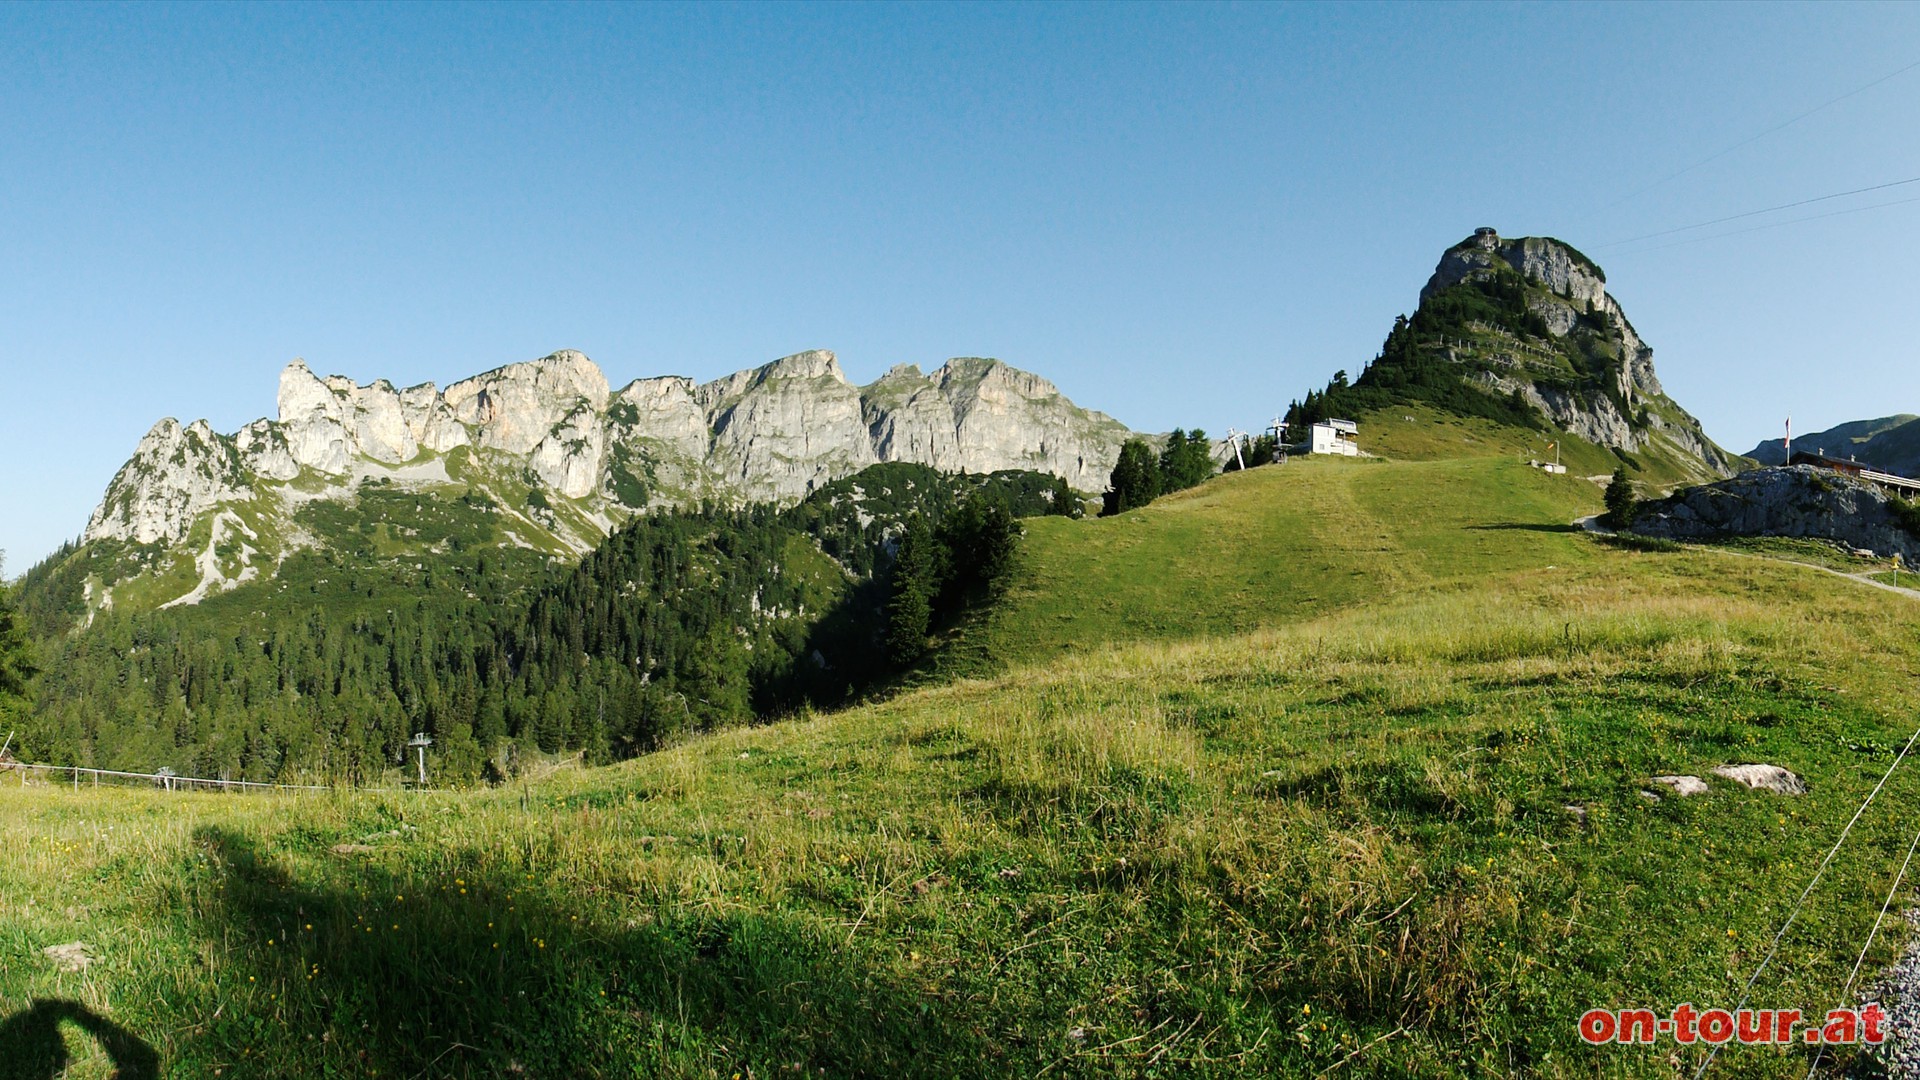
x: 516, y: 407
x: 774, y: 433
x: 176, y: 475
x: 1592, y: 375
x: 908, y: 418
x: 325, y: 424
x: 1798, y: 501
x: 981, y: 415
x: 1538, y: 258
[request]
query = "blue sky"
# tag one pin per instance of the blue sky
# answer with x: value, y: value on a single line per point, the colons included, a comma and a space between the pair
x: 1183, y: 215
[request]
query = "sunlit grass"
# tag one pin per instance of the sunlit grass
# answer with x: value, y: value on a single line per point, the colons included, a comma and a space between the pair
x: 1404, y: 819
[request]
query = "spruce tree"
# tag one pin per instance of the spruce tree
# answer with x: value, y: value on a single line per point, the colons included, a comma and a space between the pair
x: 915, y: 580
x: 1621, y: 501
x: 16, y: 651
x: 1187, y: 460
x: 1135, y: 481
x: 1062, y: 500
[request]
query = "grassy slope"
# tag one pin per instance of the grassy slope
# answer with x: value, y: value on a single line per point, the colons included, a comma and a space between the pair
x: 1268, y: 546
x: 1317, y: 804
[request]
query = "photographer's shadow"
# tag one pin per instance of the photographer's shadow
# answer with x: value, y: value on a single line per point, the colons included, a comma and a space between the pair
x: 32, y: 1046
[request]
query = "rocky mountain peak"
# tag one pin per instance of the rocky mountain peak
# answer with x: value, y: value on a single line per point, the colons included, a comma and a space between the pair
x: 1553, y: 263
x: 176, y: 475
x: 1529, y: 321
x: 812, y: 364
x: 1550, y: 262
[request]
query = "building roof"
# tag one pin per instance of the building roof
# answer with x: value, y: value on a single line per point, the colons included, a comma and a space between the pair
x: 1347, y: 426
x: 1885, y: 479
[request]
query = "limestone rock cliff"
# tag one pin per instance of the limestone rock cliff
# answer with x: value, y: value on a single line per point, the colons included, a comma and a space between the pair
x: 176, y: 475
x: 773, y: 433
x: 1530, y: 319
x: 783, y: 430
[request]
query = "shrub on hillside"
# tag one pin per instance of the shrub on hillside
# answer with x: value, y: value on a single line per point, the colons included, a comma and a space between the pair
x: 1906, y: 512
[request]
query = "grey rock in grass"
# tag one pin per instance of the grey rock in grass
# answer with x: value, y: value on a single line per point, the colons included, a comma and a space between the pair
x: 1762, y: 777
x: 73, y: 956
x: 1683, y: 785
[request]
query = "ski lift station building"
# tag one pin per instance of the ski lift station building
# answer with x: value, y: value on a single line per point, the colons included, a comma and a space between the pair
x: 1335, y: 437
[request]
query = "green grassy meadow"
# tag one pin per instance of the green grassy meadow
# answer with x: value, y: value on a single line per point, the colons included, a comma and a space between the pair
x: 1332, y: 769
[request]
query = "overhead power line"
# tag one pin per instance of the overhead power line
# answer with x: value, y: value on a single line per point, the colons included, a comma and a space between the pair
x: 1773, y: 225
x: 1717, y: 155
x: 1767, y: 210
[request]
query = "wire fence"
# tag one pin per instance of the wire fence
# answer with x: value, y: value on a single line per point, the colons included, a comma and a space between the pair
x: 77, y: 777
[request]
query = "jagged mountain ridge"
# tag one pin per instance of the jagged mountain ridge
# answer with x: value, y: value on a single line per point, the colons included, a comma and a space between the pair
x: 559, y: 458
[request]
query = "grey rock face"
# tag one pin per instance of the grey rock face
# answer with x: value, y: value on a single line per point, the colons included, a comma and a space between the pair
x: 516, y: 407
x: 1012, y: 419
x: 782, y: 430
x: 176, y: 474
x: 568, y: 459
x: 312, y: 421
x: 1570, y: 288
x: 325, y: 424
x: 263, y: 450
x: 1546, y: 261
x: 908, y: 418
x: 657, y: 422
x: 1800, y: 501
x: 774, y: 433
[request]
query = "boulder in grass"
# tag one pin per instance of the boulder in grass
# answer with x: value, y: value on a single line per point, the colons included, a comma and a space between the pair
x: 1683, y: 785
x: 73, y: 956
x: 1764, y: 777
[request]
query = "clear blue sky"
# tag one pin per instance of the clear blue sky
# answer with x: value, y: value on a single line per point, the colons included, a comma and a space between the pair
x: 1183, y: 215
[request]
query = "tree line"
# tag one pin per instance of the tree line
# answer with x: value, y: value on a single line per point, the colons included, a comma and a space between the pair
x: 1141, y: 476
x: 1412, y: 366
x: 680, y: 621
